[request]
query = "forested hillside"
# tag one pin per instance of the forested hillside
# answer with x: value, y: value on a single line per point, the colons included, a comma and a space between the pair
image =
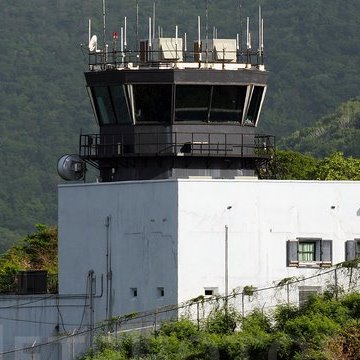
x: 312, y: 53
x: 339, y: 131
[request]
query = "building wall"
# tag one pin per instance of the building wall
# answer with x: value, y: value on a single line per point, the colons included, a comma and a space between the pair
x: 27, y: 321
x: 261, y: 217
x: 141, y: 242
x: 171, y: 234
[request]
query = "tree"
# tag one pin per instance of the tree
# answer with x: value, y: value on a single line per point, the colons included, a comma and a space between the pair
x: 338, y: 167
x: 291, y: 165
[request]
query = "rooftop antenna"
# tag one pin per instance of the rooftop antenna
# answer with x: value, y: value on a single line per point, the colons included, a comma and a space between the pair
x: 206, y: 27
x: 248, y: 35
x: 137, y: 25
x: 241, y: 26
x: 150, y: 38
x: 259, y: 31
x: 104, y: 23
x: 199, y: 31
x: 262, y: 34
x: 125, y: 33
x: 199, y: 37
x: 89, y: 31
x: 176, y: 40
x: 122, y: 42
x: 154, y: 14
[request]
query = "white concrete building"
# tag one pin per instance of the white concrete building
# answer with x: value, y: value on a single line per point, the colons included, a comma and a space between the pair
x: 166, y: 239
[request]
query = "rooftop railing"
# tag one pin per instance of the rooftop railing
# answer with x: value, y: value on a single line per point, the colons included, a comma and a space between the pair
x: 115, y: 59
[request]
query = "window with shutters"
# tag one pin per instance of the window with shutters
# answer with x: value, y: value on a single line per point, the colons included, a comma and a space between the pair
x: 352, y: 249
x: 309, y: 252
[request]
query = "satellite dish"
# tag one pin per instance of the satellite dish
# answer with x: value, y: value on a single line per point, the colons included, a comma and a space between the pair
x: 93, y: 43
x: 71, y: 167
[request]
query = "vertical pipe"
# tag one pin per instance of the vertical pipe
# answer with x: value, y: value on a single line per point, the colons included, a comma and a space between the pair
x: 91, y: 307
x: 185, y: 42
x: 108, y: 269
x: 226, y: 262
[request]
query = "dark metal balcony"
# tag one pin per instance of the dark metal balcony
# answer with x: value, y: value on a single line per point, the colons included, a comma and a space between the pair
x: 95, y: 147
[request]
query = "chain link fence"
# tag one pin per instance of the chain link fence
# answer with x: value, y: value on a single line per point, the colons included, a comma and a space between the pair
x: 337, y: 281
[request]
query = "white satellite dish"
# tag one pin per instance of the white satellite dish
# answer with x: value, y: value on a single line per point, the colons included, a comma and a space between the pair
x: 93, y: 43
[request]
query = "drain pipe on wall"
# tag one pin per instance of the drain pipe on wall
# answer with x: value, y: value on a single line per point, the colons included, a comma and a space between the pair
x: 108, y: 269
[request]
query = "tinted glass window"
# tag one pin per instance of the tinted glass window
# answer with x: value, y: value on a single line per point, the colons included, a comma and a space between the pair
x: 103, y: 105
x: 152, y: 103
x: 254, y: 107
x: 227, y: 103
x: 120, y: 105
x: 192, y: 102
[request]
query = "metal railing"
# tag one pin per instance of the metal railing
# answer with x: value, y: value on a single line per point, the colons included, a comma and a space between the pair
x: 104, y: 60
x: 102, y: 146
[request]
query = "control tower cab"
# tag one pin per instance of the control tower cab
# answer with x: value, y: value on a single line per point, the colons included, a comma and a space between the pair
x: 166, y: 112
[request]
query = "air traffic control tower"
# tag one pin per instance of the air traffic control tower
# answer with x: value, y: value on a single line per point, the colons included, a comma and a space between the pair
x: 165, y: 112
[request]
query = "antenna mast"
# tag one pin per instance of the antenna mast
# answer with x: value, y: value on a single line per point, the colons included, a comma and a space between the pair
x: 89, y: 31
x: 104, y: 23
x: 125, y: 33
x: 206, y: 28
x: 248, y: 35
x: 153, y: 19
x: 137, y: 25
x: 259, y: 48
x: 241, y: 26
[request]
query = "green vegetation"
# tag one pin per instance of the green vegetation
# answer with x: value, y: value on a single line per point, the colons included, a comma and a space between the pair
x: 37, y: 251
x: 291, y: 165
x: 339, y: 131
x: 311, y: 54
x: 323, y: 329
